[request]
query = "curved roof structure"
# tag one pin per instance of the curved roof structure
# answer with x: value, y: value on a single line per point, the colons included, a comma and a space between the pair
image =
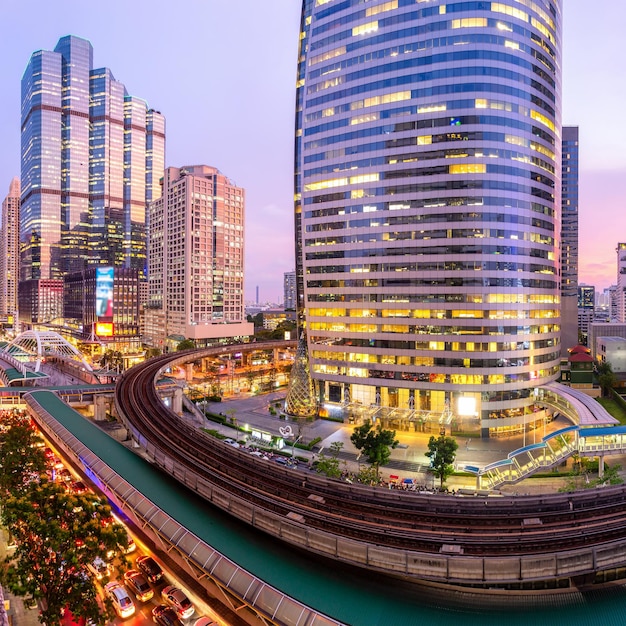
x: 36, y: 345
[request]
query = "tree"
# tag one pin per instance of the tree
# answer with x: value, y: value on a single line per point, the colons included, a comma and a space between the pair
x: 606, y: 377
x: 442, y: 453
x: 374, y: 443
x: 21, y: 461
x: 185, y: 344
x: 57, y: 535
x: 327, y: 465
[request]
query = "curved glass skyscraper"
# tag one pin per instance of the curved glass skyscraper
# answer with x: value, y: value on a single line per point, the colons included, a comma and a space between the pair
x: 428, y: 157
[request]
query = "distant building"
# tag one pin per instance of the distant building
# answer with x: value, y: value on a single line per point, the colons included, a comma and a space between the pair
x: 92, y: 157
x: 580, y: 368
x: 586, y: 310
x: 289, y: 285
x: 620, y: 292
x: 196, y: 259
x: 102, y: 306
x: 613, y: 351
x: 569, y: 238
x: 9, y: 250
x: 273, y: 317
x: 596, y: 330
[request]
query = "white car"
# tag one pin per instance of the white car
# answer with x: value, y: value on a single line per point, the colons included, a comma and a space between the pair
x: 177, y: 599
x: 123, y: 605
x: 99, y: 568
x: 231, y: 442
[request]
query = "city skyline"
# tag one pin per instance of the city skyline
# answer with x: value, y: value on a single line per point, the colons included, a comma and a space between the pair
x: 247, y: 130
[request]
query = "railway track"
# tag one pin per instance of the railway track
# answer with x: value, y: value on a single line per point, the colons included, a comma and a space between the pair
x: 416, y: 523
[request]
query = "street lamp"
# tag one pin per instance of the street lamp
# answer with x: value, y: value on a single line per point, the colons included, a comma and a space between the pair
x: 293, y: 446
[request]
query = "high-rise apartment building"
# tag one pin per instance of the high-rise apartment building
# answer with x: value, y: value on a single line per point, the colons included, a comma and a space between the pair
x: 196, y: 258
x: 92, y: 157
x: 289, y: 290
x: 586, y: 310
x: 620, y: 290
x: 9, y: 250
x: 428, y: 200
x: 569, y: 239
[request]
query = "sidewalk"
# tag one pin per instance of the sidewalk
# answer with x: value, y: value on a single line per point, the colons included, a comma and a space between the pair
x: 408, y: 460
x: 17, y: 613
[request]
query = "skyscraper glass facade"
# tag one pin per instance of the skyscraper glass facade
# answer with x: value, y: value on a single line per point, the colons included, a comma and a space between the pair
x: 427, y: 203
x: 569, y: 240
x: 92, y: 157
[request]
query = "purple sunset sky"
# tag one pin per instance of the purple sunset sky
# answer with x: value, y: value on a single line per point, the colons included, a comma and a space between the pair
x: 223, y: 74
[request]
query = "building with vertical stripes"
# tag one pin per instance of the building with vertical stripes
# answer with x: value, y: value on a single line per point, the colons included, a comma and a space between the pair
x: 428, y: 205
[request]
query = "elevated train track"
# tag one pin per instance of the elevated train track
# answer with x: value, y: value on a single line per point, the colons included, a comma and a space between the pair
x: 509, y: 541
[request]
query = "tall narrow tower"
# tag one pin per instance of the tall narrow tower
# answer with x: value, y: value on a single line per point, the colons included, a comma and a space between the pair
x: 569, y: 240
x: 428, y: 200
x: 9, y: 250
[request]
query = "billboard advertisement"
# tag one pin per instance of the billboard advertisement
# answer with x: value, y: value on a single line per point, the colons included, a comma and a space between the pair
x: 104, y: 293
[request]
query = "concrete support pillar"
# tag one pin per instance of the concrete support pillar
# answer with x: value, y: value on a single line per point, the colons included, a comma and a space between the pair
x: 188, y: 372
x: 276, y: 356
x: 601, y: 466
x: 100, y: 405
x: 177, y: 401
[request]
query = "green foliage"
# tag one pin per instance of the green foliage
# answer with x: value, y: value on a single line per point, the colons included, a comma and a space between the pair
x: 335, y: 448
x: 57, y: 535
x: 442, y: 453
x: 21, y: 461
x: 328, y: 465
x: 606, y: 377
x: 374, y: 443
x: 185, y: 344
x: 368, y: 476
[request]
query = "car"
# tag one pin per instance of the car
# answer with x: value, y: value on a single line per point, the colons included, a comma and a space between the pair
x: 205, y: 621
x: 165, y: 615
x: 138, y: 585
x: 99, y: 568
x: 78, y: 487
x: 123, y: 605
x: 231, y: 442
x: 176, y: 598
x: 150, y: 568
x: 131, y: 546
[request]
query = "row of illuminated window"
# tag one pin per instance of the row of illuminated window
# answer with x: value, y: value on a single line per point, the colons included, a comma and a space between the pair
x: 400, y: 83
x: 436, y: 185
x: 505, y: 214
x: 457, y: 57
x: 426, y: 140
x: 383, y: 218
x: 433, y: 170
x: 432, y: 361
x: 430, y: 282
x: 429, y: 329
x: 532, y: 132
x: 441, y: 266
x: 455, y: 71
x: 439, y: 314
x: 372, y: 235
x: 419, y: 46
x: 370, y: 28
x: 436, y: 298
x: 435, y: 378
x: 477, y: 103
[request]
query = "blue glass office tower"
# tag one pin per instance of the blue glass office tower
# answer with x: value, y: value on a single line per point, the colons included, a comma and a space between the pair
x: 427, y: 204
x: 92, y: 157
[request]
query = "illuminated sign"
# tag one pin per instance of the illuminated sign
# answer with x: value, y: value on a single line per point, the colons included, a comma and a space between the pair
x: 104, y: 293
x: 104, y: 329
